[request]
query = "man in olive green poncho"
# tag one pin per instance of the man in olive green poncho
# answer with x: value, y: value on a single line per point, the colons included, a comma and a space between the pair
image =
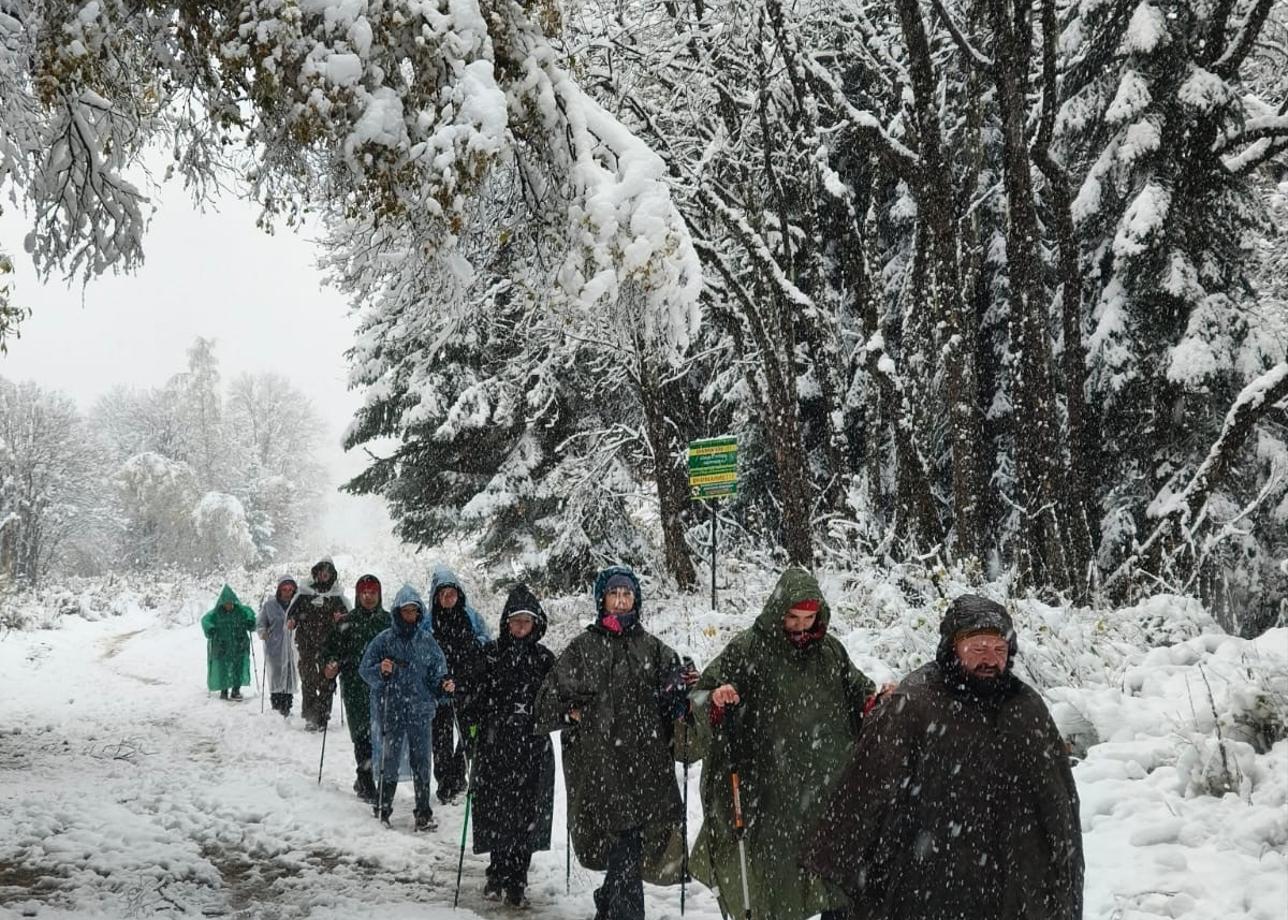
x: 784, y: 705
x: 228, y: 628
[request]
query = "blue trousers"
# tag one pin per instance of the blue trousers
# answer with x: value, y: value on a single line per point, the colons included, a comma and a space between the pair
x: 416, y: 731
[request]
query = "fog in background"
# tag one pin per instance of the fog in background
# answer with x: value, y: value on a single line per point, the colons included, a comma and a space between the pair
x: 211, y: 274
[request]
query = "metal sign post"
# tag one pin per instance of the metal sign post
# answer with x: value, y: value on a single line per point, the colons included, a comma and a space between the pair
x: 713, y: 474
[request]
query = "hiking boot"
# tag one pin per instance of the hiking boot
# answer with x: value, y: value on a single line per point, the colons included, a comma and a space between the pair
x: 236, y: 694
x: 516, y: 899
x: 223, y: 694
x: 492, y: 890
x: 426, y: 823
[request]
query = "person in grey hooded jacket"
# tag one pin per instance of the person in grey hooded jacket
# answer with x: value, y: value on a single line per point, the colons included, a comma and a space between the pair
x: 279, y: 653
x: 406, y: 671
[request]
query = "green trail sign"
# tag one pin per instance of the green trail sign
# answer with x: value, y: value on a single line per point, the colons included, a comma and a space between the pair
x: 713, y: 468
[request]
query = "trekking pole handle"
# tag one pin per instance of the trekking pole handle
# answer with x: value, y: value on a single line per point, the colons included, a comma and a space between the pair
x: 737, y: 803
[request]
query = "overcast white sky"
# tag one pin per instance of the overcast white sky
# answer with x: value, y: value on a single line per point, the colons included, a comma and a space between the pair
x: 211, y: 274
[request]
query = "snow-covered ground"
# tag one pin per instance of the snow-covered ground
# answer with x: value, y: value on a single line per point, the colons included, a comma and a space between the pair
x: 127, y: 791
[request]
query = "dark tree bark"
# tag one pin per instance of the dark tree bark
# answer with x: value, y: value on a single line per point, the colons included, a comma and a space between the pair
x: 956, y: 322
x: 1038, y: 456
x: 670, y: 477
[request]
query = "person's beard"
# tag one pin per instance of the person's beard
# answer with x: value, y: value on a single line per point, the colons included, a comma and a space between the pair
x: 985, y: 681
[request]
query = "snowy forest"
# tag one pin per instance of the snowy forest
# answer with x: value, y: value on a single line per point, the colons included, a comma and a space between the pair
x: 993, y: 286
x: 186, y: 477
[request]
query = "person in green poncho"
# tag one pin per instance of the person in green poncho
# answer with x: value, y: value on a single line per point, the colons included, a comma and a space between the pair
x: 228, y: 627
x: 782, y: 703
x: 343, y: 654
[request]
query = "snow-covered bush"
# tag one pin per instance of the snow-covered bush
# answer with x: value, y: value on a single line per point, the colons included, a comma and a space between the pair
x: 222, y: 532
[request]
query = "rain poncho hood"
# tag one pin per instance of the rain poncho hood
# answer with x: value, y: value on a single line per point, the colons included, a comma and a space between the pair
x: 601, y: 588
x: 407, y: 595
x: 444, y: 577
x: 520, y: 598
x: 328, y: 581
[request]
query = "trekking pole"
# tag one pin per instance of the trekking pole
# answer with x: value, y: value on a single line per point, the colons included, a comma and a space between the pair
x: 687, y: 663
x: 567, y: 845
x: 324, y: 727
x: 263, y: 683
x: 469, y: 796
x: 684, y: 820
x: 739, y: 826
x: 380, y: 787
x: 254, y: 669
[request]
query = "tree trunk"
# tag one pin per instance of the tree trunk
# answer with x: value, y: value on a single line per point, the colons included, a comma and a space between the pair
x: 956, y: 341
x: 1039, y: 470
x: 670, y: 478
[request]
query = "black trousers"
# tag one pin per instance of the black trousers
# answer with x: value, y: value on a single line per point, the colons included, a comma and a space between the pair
x: 509, y: 868
x: 449, y: 753
x: 622, y: 895
x: 281, y: 702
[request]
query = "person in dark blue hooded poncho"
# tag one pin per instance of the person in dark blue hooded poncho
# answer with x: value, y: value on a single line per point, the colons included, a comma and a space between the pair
x: 408, y: 676
x: 462, y: 635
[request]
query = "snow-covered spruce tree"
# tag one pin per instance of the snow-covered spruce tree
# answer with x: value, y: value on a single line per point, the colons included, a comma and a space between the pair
x: 506, y: 404
x: 1168, y: 128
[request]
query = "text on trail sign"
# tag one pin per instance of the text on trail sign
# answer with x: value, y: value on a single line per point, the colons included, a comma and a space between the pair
x: 713, y: 468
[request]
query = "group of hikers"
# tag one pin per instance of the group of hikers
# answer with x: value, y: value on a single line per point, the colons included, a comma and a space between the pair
x: 948, y: 796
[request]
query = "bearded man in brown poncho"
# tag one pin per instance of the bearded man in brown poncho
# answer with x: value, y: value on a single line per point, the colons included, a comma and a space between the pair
x: 960, y: 802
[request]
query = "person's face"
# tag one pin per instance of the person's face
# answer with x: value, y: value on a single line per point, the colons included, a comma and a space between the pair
x: 369, y: 596
x: 286, y: 591
x: 983, y: 655
x: 228, y: 605
x: 619, y: 600
x: 447, y: 597
x: 409, y: 612
x: 520, y: 626
x: 799, y: 620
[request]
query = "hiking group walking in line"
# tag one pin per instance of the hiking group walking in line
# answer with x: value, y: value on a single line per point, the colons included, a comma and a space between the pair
x: 948, y: 796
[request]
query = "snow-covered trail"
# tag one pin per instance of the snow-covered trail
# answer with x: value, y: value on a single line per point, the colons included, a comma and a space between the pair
x: 127, y: 791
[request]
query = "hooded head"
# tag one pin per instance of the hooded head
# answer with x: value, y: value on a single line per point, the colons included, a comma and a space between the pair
x: 324, y: 574
x: 968, y: 616
x: 407, y: 595
x: 227, y: 596
x: 797, y: 592
x: 444, y: 577
x: 613, y: 577
x: 364, y: 583
x: 521, y: 600
x: 281, y: 583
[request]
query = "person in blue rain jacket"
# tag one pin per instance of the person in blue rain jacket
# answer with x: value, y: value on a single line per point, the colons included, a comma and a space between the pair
x: 408, y: 677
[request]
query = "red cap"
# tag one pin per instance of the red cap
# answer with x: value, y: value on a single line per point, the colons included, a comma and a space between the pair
x: 368, y: 581
x: 809, y: 605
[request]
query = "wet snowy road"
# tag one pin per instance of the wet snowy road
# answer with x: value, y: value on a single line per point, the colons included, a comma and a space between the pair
x: 127, y: 791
